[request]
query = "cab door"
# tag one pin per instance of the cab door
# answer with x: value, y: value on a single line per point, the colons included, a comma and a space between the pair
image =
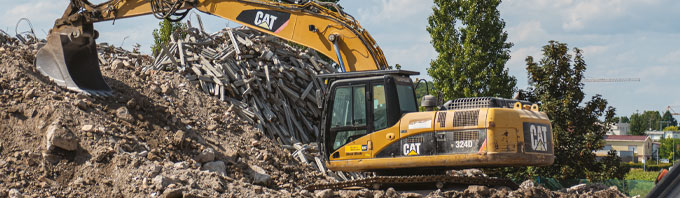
x: 348, y: 121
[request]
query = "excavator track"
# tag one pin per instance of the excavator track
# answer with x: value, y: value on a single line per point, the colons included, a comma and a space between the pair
x: 439, y: 181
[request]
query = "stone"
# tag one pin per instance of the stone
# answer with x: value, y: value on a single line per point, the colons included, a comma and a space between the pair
x: 259, y: 175
x: 117, y: 64
x: 391, y: 193
x: 14, y: 193
x: 480, y: 190
x: 126, y: 63
x: 156, y: 89
x: 29, y: 93
x: 166, y: 89
x: 81, y: 104
x: 58, y: 136
x: 216, y: 166
x: 230, y: 154
x: 179, y: 137
x: 328, y: 193
x: 212, y: 127
x: 161, y: 181
x: 527, y: 184
x: 207, y: 155
x: 124, y: 114
x: 87, y: 128
x: 173, y: 193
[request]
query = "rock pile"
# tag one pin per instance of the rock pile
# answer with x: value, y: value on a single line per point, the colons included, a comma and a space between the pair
x: 268, y: 82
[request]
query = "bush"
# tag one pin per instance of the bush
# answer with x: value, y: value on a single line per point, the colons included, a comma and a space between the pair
x: 650, y: 166
x: 639, y: 174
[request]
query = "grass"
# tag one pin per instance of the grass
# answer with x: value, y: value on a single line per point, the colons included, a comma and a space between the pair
x: 639, y: 174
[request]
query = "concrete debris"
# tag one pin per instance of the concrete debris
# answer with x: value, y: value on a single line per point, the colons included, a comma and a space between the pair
x: 216, y: 166
x: 271, y: 84
x: 160, y: 181
x: 58, y: 136
x: 14, y: 193
x: 259, y: 175
x: 328, y: 193
x: 207, y: 155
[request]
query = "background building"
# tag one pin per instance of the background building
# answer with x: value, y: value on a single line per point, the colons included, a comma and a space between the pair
x: 639, y: 148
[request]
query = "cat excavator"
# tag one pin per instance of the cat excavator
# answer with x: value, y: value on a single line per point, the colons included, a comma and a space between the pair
x: 371, y: 120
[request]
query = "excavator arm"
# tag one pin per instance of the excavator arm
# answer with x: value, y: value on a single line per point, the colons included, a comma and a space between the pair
x: 70, y: 57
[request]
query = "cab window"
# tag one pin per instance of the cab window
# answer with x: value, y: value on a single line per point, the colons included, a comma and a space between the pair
x: 407, y: 100
x: 379, y: 107
x: 348, y: 120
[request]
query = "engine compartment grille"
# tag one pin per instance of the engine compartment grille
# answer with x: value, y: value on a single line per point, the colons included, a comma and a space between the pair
x: 465, y: 118
x: 481, y: 102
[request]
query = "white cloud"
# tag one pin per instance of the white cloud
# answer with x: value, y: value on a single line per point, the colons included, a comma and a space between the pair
x: 527, y: 31
x: 671, y: 57
x: 594, y: 49
x: 518, y: 57
x: 38, y: 12
x: 393, y: 11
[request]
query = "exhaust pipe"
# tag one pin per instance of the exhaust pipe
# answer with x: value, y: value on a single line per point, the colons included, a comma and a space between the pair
x: 70, y: 59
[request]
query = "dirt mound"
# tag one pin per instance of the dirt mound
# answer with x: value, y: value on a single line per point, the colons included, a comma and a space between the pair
x: 157, y: 135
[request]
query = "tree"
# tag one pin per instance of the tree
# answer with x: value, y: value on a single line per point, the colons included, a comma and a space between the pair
x: 648, y: 120
x: 666, y: 148
x: 671, y: 128
x: 556, y: 84
x: 472, y: 47
x: 161, y: 36
x: 668, y: 119
x: 624, y: 119
x: 637, y: 125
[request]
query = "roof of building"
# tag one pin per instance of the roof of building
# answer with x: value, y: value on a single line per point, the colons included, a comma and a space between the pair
x: 626, y: 137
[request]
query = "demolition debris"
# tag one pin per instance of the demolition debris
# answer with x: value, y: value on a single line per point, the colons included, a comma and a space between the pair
x: 270, y: 83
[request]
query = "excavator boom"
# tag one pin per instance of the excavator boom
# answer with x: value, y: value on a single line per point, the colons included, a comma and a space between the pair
x: 70, y: 57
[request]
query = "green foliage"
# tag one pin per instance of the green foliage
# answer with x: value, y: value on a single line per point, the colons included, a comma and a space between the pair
x: 648, y: 120
x: 472, y: 47
x: 650, y: 166
x: 671, y: 128
x: 639, y: 174
x: 666, y: 149
x: 668, y: 119
x: 621, y: 119
x: 556, y: 83
x: 624, y: 119
x: 161, y: 36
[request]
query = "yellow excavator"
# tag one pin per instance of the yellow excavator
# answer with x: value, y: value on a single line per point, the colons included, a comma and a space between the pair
x: 370, y: 118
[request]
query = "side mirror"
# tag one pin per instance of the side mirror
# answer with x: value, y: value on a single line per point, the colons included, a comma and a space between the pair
x: 429, y: 102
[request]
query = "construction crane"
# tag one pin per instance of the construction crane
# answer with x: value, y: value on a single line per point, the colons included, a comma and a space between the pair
x: 611, y: 80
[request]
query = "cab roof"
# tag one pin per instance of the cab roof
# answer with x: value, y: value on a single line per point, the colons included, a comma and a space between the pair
x: 359, y: 74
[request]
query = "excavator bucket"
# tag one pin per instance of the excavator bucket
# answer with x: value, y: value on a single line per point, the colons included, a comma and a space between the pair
x: 70, y: 59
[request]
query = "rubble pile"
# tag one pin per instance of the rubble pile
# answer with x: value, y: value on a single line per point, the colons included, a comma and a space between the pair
x: 157, y: 136
x: 269, y: 82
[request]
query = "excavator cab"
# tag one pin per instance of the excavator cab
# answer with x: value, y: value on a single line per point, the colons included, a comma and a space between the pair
x: 359, y: 103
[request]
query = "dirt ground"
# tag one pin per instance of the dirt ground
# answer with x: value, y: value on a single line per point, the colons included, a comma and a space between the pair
x: 159, y: 135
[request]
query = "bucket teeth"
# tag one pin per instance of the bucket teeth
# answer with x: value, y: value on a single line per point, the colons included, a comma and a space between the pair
x: 72, y: 62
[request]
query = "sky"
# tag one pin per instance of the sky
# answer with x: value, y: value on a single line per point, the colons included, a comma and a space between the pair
x: 619, y: 38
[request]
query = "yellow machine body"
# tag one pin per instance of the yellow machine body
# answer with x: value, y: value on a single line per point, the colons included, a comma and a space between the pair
x: 484, y: 137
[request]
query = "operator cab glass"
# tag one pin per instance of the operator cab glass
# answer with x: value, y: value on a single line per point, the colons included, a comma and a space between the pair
x: 360, y: 106
x: 349, y: 112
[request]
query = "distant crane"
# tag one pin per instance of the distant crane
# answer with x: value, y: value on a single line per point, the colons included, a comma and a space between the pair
x: 611, y: 80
